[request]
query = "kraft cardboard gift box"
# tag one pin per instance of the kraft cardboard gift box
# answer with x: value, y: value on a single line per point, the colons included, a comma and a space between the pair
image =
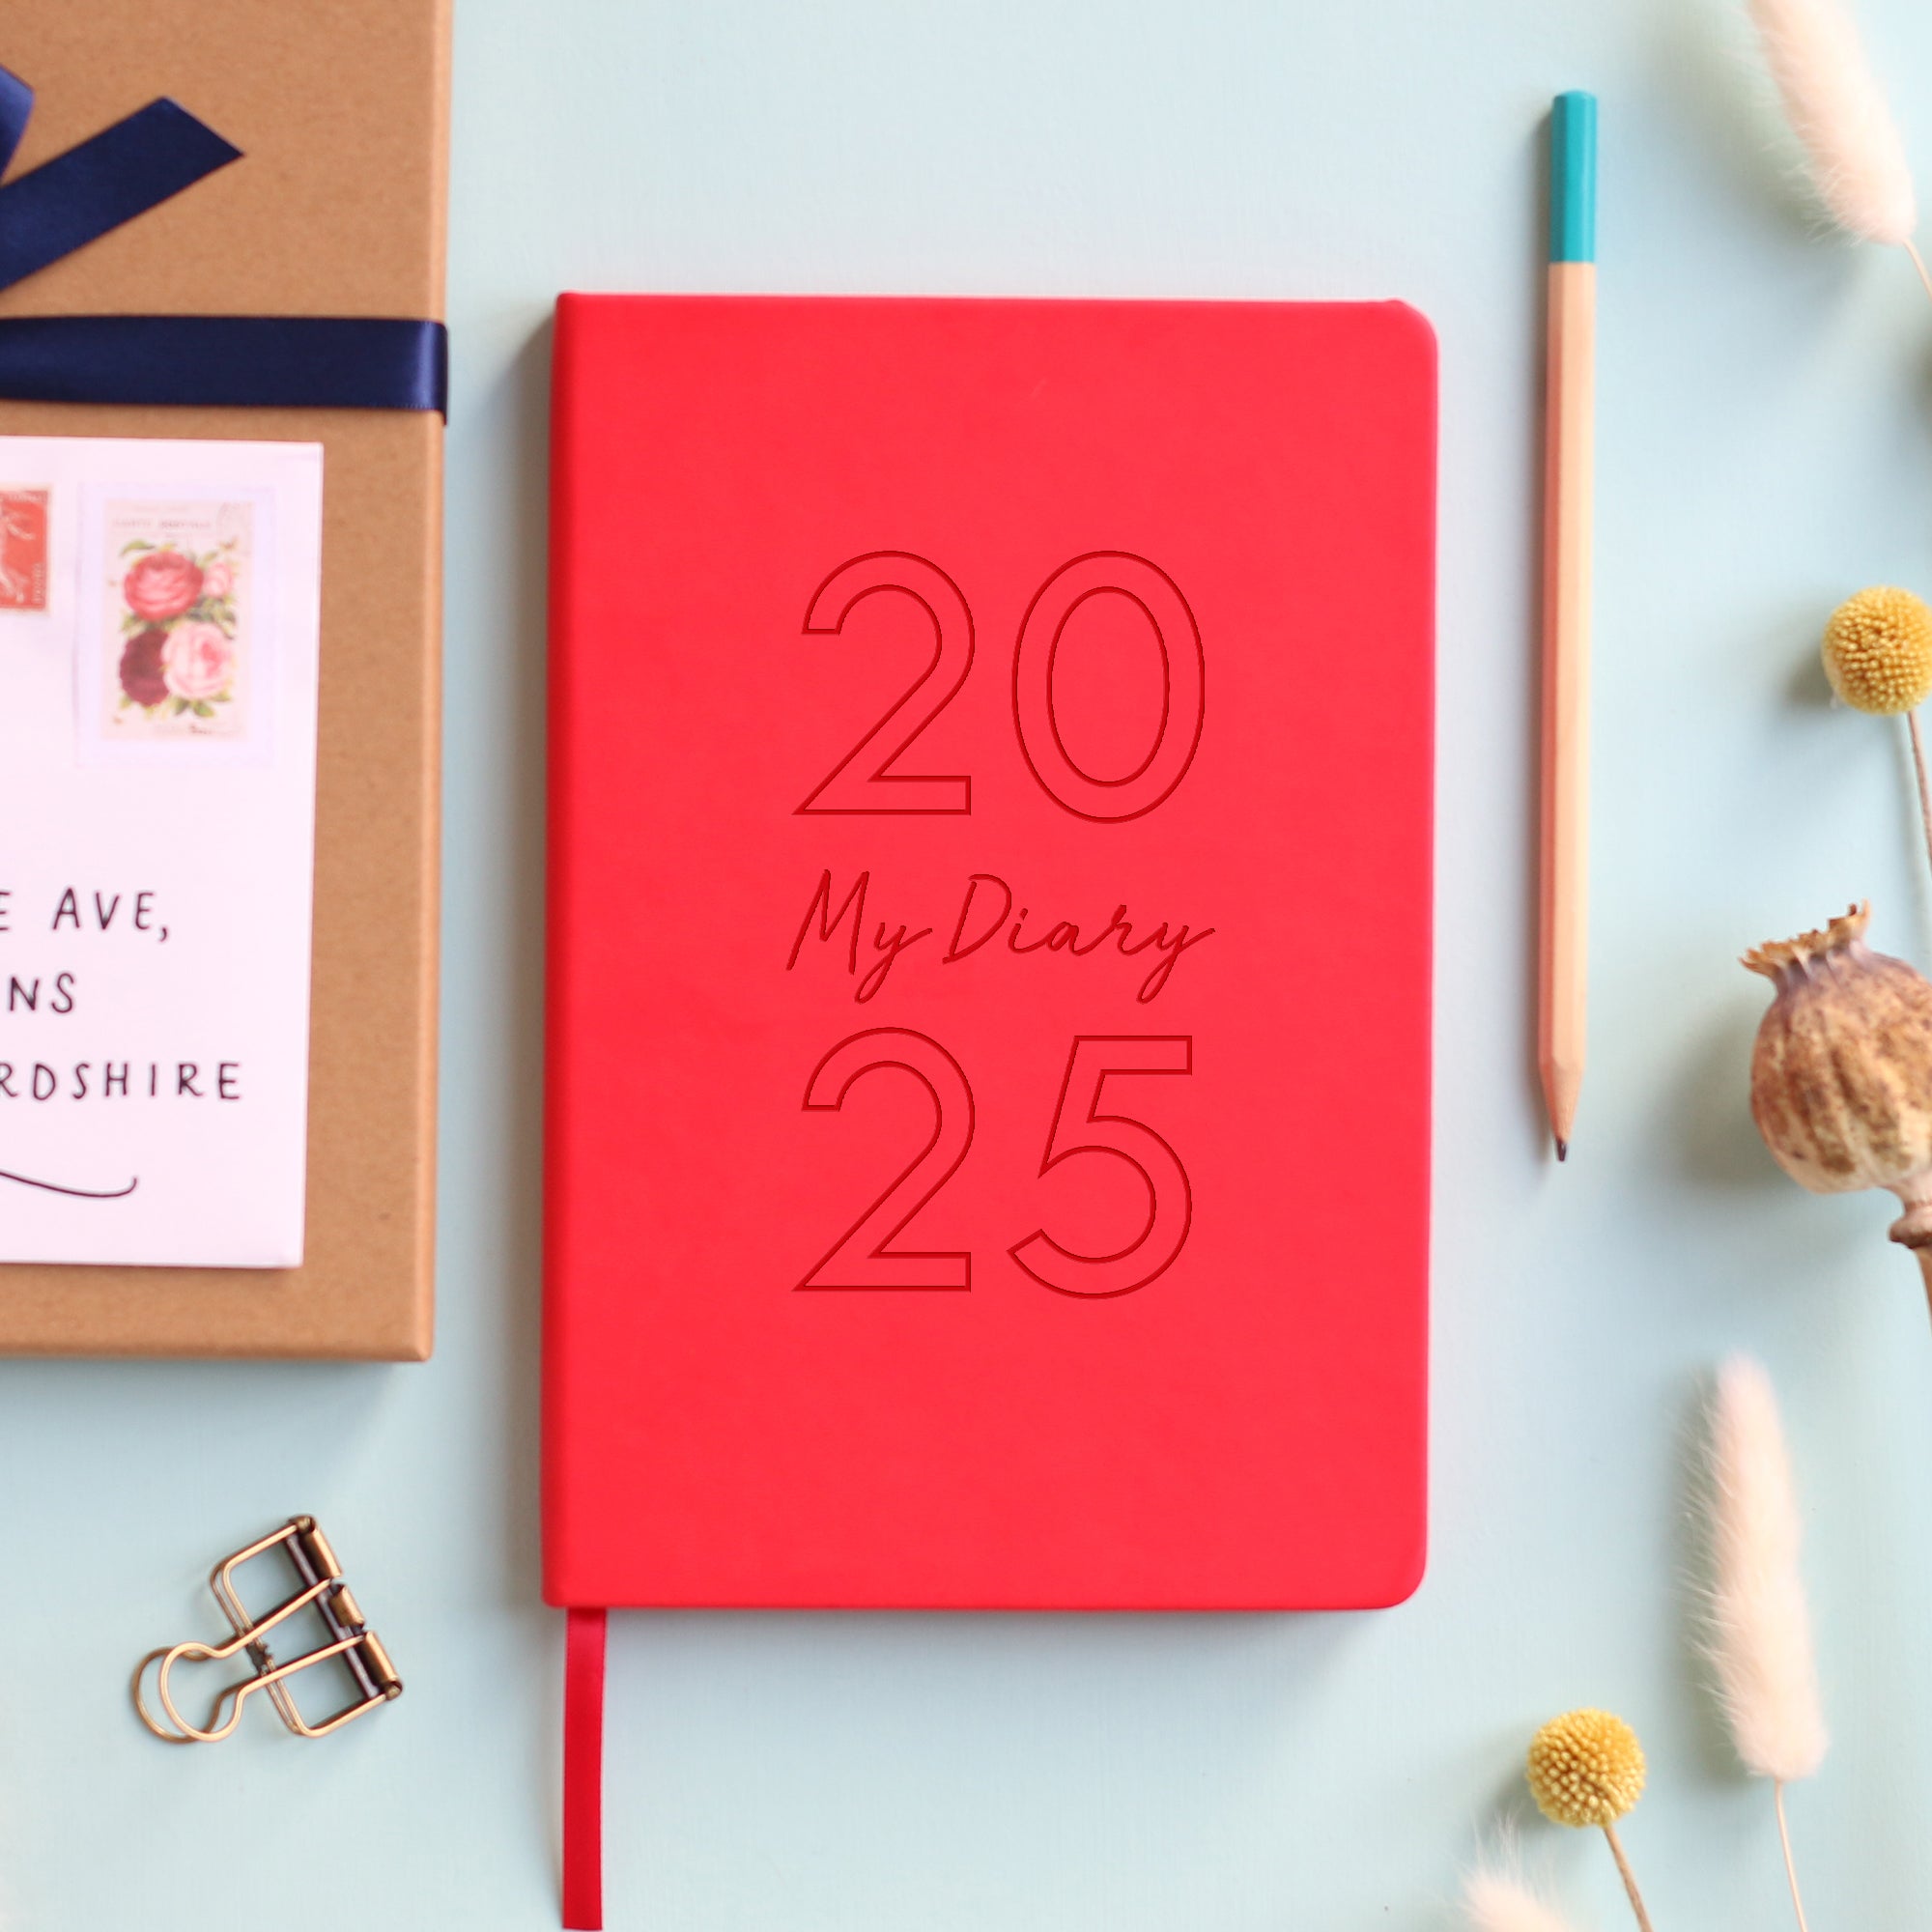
x: 337, y: 208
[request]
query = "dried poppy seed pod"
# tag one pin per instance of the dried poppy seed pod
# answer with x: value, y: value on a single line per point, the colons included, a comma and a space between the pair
x: 1841, y: 1076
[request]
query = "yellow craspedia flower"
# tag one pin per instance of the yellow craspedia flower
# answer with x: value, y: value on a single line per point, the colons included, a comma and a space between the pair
x: 1585, y: 1768
x: 1878, y: 651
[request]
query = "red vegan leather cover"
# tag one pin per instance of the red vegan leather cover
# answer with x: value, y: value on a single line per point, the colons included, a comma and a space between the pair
x: 987, y: 1117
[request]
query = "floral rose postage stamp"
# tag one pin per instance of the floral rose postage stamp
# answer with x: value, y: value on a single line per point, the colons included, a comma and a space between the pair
x: 23, y: 549
x: 176, y: 617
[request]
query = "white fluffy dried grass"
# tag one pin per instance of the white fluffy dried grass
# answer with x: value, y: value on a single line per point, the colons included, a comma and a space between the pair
x: 1838, y: 112
x: 1499, y: 1900
x: 1760, y: 1625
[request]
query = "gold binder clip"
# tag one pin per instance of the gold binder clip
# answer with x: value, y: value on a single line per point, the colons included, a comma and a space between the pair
x: 321, y: 1587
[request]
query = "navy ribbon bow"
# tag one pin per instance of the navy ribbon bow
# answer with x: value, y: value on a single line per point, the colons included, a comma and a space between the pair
x: 246, y: 361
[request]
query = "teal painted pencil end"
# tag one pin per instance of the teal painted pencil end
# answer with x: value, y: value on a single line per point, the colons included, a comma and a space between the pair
x: 1573, y: 178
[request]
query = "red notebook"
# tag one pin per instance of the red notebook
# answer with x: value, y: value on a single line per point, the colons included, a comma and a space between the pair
x: 987, y: 1123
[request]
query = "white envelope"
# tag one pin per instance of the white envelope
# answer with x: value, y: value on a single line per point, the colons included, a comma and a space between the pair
x: 159, y: 625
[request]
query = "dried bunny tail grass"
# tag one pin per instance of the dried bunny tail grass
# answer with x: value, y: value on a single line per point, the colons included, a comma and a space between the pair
x: 1838, y: 110
x: 1499, y: 1900
x: 1760, y: 1626
x: 1760, y: 1641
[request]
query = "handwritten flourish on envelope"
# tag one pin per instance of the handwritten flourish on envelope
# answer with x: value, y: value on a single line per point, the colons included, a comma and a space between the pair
x: 159, y: 620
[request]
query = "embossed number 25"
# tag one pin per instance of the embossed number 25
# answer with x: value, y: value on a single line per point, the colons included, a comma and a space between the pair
x: 863, y: 1257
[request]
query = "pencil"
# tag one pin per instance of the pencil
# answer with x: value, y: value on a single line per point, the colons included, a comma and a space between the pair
x: 1570, y: 409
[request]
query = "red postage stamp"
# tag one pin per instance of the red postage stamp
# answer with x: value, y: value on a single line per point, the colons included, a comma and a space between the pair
x: 23, y: 550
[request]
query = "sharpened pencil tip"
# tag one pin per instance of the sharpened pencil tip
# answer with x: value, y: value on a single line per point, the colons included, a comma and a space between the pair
x: 1562, y: 1149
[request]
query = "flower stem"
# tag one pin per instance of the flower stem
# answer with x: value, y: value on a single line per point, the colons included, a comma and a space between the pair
x: 1790, y: 1869
x: 1912, y: 718
x: 1918, y: 262
x: 1924, y: 788
x: 1629, y: 1877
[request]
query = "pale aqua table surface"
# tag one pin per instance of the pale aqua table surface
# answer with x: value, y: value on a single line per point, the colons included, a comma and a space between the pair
x: 1764, y: 451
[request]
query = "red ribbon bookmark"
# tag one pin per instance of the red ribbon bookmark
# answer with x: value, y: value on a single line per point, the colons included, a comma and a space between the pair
x: 584, y: 1772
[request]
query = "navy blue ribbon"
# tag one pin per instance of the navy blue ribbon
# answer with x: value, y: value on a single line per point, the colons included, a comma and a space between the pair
x: 244, y: 361
x: 238, y: 361
x: 16, y: 109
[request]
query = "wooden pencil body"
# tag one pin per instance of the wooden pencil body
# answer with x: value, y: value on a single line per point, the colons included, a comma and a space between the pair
x: 1565, y: 680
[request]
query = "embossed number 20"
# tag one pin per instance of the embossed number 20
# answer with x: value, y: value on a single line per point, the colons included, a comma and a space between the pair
x: 863, y: 1256
x: 863, y: 781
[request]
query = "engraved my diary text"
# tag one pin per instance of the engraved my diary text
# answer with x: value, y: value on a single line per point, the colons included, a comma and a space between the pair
x: 986, y: 912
